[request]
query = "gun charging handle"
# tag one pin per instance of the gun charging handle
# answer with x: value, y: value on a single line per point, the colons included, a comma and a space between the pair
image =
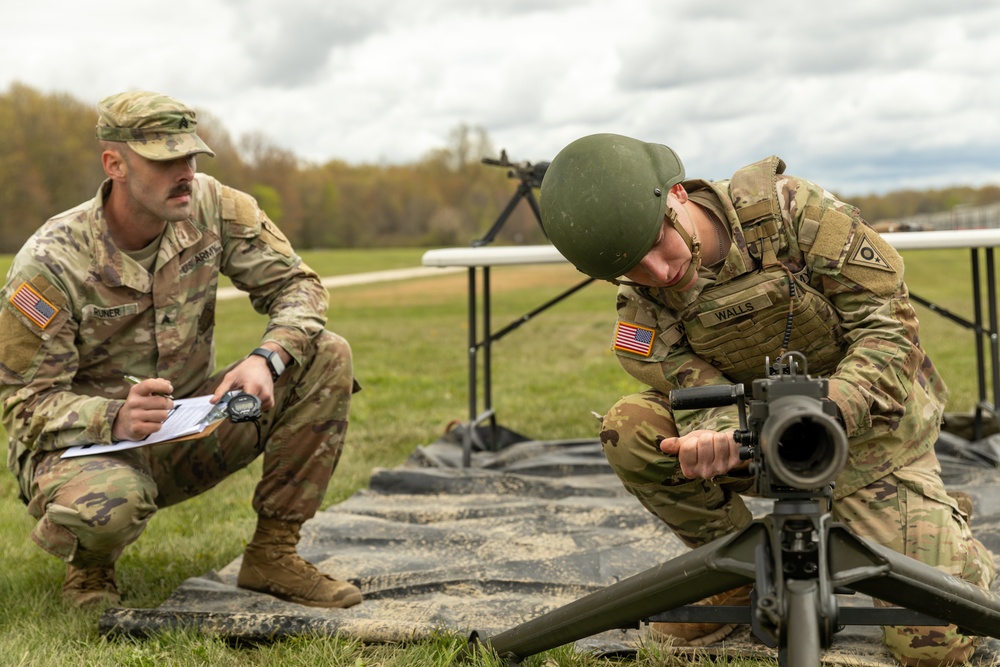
x: 715, y: 396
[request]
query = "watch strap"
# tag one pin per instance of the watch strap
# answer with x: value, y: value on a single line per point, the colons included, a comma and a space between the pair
x: 274, y: 363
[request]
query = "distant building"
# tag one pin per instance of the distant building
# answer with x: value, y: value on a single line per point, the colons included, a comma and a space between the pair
x: 960, y: 217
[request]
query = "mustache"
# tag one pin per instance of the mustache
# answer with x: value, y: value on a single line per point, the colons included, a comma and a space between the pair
x: 182, y: 189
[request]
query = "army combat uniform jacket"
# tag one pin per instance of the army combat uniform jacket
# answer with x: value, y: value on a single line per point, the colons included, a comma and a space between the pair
x: 804, y: 273
x: 77, y: 314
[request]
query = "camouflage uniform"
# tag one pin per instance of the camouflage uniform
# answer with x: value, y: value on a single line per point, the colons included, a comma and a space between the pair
x: 77, y: 314
x: 852, y: 318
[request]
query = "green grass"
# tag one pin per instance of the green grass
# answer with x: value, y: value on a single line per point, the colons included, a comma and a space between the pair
x: 409, y: 341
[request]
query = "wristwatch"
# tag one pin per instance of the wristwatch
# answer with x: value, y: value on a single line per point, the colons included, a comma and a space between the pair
x: 274, y: 361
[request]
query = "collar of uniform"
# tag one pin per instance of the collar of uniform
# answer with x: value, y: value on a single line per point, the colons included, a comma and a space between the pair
x: 115, y: 267
x: 109, y: 262
x: 183, y: 234
x: 177, y: 237
x: 715, y: 195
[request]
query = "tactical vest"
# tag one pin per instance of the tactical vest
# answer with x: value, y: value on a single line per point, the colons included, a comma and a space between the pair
x: 739, y: 324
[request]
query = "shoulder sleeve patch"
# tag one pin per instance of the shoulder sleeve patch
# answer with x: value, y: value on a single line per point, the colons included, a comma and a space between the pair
x: 634, y: 338
x: 873, y: 263
x: 246, y: 220
x: 240, y: 214
x: 866, y: 254
x: 33, y: 305
x: 644, y: 331
x: 20, y: 344
x: 832, y: 235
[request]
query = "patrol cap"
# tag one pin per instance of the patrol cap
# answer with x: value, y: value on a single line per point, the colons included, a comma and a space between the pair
x: 603, y: 200
x: 154, y: 125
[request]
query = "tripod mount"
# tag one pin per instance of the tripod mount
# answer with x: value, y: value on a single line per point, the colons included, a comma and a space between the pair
x: 797, y: 557
x: 530, y: 177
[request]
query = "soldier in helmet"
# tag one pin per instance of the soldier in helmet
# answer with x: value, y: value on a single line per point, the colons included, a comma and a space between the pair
x: 125, y: 284
x: 715, y: 277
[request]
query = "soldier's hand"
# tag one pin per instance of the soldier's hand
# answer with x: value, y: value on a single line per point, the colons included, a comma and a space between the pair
x: 146, y: 408
x: 251, y: 376
x: 704, y: 454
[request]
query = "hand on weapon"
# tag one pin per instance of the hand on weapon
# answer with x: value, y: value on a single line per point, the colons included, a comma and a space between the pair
x: 788, y: 430
x: 704, y: 454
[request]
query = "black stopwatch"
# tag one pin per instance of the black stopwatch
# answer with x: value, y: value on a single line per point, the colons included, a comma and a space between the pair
x: 243, y: 408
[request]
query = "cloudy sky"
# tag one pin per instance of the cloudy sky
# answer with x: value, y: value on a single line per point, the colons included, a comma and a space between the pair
x: 859, y: 95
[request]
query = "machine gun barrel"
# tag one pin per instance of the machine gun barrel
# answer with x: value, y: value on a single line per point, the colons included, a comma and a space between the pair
x: 804, y: 447
x: 531, y: 175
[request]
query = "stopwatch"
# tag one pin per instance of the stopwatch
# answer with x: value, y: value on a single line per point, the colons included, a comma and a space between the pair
x: 243, y: 408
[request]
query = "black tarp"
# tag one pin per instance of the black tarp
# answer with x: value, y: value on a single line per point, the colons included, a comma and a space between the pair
x: 437, y: 546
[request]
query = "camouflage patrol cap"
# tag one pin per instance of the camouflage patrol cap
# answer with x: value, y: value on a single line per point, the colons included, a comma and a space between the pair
x: 155, y: 126
x: 603, y: 201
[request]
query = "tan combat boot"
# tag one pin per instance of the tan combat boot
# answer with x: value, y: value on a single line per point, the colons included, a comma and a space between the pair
x: 90, y: 586
x: 703, y: 634
x: 271, y: 565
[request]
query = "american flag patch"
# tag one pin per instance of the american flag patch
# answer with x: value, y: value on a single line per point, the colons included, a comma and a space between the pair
x: 33, y: 305
x: 634, y: 338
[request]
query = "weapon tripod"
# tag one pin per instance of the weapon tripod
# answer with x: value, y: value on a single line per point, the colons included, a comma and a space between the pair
x: 798, y: 559
x: 530, y: 177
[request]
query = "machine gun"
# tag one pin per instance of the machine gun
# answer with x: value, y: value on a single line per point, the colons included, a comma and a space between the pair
x: 790, y: 431
x: 798, y: 559
x: 530, y: 177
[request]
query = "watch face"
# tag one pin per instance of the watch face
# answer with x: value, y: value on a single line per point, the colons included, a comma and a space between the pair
x: 274, y: 362
x: 244, y: 407
x: 277, y: 366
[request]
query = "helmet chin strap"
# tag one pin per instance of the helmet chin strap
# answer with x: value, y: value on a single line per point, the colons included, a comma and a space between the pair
x: 693, y: 244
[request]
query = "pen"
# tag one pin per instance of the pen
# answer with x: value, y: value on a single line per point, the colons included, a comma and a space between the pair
x: 134, y: 380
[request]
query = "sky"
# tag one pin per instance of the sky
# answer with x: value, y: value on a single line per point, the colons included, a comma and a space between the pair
x: 860, y: 96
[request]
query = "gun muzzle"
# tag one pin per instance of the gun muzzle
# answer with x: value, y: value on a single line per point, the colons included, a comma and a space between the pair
x: 804, y: 446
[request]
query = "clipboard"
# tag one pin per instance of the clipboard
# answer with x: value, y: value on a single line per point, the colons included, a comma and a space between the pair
x: 190, y: 419
x: 208, y: 430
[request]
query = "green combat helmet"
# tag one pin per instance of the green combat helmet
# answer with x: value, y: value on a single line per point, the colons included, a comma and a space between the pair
x: 603, y: 201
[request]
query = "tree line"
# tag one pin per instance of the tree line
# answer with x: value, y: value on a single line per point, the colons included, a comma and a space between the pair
x: 49, y: 162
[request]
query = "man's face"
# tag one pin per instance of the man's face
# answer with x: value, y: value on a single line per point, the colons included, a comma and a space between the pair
x: 669, y: 257
x: 160, y: 189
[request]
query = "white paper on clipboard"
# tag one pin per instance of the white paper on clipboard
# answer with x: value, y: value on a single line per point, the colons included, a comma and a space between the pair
x: 189, y: 417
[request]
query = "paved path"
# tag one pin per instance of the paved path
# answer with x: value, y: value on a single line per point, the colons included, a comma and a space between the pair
x: 363, y: 278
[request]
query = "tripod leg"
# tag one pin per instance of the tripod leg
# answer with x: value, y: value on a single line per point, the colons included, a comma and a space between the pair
x: 533, y: 203
x: 801, y: 645
x: 522, y: 192
x: 714, y: 568
x: 890, y: 576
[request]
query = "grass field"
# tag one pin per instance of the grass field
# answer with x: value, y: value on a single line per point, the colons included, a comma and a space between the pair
x: 409, y: 342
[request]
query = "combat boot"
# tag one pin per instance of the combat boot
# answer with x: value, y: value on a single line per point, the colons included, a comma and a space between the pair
x: 271, y: 565
x: 703, y: 634
x: 90, y: 586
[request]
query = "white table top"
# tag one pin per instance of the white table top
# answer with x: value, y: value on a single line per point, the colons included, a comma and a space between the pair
x: 957, y: 238
x: 547, y: 254
x: 493, y: 256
